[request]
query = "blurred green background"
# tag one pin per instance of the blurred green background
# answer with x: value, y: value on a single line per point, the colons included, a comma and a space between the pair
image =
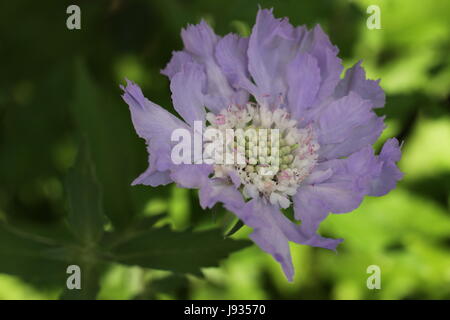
x: 59, y: 97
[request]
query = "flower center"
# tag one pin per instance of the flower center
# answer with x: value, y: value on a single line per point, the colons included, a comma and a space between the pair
x: 271, y: 155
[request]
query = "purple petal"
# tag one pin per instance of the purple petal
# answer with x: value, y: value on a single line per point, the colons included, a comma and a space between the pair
x: 235, y: 178
x: 341, y: 192
x: 346, y: 125
x: 273, y: 43
x: 218, y: 190
x: 303, y: 78
x: 355, y: 80
x: 155, y: 125
x: 360, y: 168
x: 187, y: 88
x: 153, y: 178
x: 269, y: 234
x: 231, y: 55
x: 318, y: 176
x: 313, y: 203
x: 390, y: 174
x: 192, y: 176
x: 273, y: 231
x: 200, y: 41
x: 179, y: 58
x: 150, y: 120
x: 158, y: 172
x: 317, y: 43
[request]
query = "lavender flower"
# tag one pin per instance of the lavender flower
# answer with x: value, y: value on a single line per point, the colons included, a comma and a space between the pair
x: 327, y: 128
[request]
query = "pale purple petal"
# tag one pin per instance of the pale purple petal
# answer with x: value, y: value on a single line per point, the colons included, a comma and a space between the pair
x: 313, y: 203
x: 218, y: 190
x: 231, y: 55
x: 179, y: 58
x: 317, y: 43
x: 272, y: 232
x: 187, y: 88
x: 235, y: 178
x: 158, y: 172
x: 153, y: 178
x: 200, y: 41
x: 192, y: 176
x: 318, y: 176
x: 390, y: 174
x: 150, y: 120
x: 303, y: 78
x: 273, y: 43
x: 155, y: 125
x: 355, y: 80
x: 346, y: 125
x: 340, y: 192
x: 268, y: 233
x: 360, y: 168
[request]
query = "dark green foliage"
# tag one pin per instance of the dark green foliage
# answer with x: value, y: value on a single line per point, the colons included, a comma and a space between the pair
x: 161, y: 248
x: 85, y: 215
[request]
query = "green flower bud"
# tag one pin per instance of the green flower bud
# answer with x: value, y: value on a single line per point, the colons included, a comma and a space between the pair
x: 288, y: 159
x: 285, y: 150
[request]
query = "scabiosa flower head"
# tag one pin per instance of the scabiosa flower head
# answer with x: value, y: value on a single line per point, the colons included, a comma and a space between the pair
x: 285, y: 78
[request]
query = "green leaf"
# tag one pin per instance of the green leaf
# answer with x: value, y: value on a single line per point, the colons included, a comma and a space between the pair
x: 119, y: 156
x: 236, y: 227
x: 33, y: 258
x: 85, y: 216
x: 185, y: 252
x: 43, y: 262
x: 136, y: 227
x: 230, y: 224
x: 172, y: 285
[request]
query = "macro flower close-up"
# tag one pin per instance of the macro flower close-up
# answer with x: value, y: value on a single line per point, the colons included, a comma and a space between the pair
x: 283, y: 77
x: 225, y: 155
